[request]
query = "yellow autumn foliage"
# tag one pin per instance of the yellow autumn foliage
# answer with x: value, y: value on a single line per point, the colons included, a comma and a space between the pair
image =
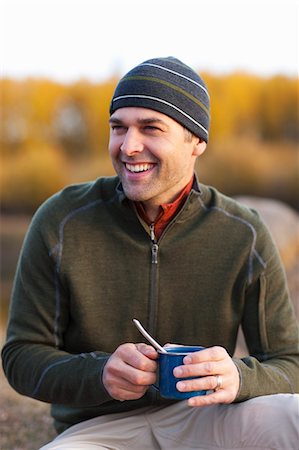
x: 54, y: 134
x: 26, y: 181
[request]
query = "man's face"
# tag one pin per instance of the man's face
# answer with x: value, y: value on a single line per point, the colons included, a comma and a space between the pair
x: 151, y: 154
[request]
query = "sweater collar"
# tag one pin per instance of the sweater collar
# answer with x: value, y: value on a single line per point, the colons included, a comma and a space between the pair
x: 167, y: 210
x: 184, y: 202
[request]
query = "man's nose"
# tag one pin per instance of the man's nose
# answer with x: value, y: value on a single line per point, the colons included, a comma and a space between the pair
x: 132, y: 143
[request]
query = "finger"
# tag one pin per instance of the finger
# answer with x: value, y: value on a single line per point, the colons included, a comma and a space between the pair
x: 129, y: 395
x: 215, y: 353
x: 129, y: 354
x: 221, y: 396
x: 168, y: 345
x: 121, y: 377
x: 197, y: 384
x: 200, y: 369
x: 125, y: 385
x: 132, y: 374
x: 121, y: 389
x: 147, y: 350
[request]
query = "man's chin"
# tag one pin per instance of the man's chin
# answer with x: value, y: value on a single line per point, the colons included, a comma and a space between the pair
x: 135, y: 196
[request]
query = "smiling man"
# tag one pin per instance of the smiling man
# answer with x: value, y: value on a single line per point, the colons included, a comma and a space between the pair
x: 153, y: 155
x: 192, y: 264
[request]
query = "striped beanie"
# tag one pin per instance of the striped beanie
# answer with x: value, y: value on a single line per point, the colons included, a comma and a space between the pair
x: 169, y: 86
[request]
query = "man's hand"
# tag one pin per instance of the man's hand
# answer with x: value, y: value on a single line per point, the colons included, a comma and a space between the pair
x: 130, y: 370
x: 214, y: 365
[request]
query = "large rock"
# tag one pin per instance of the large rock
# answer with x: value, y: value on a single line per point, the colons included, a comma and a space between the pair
x: 283, y: 222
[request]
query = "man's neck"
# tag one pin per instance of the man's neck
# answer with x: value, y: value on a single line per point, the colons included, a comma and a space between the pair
x: 160, y: 215
x: 152, y: 211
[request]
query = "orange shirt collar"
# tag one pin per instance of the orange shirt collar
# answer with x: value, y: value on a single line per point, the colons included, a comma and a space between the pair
x: 167, y: 210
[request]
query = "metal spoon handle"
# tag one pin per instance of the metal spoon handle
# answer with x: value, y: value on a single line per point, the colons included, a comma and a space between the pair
x: 148, y: 336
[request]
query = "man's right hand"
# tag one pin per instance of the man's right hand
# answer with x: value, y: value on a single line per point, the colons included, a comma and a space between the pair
x: 130, y: 370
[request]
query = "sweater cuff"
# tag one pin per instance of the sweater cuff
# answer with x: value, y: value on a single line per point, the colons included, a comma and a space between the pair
x: 242, y: 394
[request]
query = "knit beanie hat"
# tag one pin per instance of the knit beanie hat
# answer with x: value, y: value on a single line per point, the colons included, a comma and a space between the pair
x: 169, y: 86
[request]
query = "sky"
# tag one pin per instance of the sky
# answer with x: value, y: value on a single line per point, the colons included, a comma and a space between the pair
x: 68, y: 40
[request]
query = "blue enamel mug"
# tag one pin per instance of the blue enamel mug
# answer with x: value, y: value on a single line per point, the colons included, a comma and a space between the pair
x: 167, y: 381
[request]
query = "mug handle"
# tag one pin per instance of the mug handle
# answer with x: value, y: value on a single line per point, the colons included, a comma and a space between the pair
x: 155, y: 387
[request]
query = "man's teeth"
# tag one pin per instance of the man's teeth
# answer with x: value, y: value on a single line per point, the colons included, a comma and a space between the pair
x: 139, y: 167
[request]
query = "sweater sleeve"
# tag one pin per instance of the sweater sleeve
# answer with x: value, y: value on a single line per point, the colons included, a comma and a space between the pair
x: 34, y: 361
x: 270, y: 327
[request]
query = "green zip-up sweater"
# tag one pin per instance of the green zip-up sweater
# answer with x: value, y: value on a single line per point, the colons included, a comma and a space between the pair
x: 89, y: 265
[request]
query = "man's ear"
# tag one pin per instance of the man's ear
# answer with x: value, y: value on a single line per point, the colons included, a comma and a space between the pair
x: 199, y: 146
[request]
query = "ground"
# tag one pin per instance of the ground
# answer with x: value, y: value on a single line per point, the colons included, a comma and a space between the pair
x: 25, y: 423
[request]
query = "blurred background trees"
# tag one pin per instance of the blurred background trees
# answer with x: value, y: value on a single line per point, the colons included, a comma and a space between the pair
x: 54, y: 134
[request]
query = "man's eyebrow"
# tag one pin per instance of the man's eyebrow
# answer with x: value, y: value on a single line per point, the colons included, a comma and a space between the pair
x: 115, y: 120
x: 142, y: 121
x: 151, y: 120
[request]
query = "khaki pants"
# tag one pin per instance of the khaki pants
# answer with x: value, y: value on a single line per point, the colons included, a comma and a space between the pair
x: 269, y: 422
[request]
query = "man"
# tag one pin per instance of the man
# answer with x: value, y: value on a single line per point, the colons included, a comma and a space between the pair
x: 191, y: 264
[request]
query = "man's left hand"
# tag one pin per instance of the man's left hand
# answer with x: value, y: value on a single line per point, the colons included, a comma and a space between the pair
x: 217, y: 372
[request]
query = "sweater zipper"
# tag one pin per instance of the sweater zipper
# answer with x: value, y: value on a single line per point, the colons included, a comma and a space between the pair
x: 154, y: 273
x: 153, y: 301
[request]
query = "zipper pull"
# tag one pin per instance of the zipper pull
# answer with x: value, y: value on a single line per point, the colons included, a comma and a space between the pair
x: 155, y: 246
x: 155, y: 249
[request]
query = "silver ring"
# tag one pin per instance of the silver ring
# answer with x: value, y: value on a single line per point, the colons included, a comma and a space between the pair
x: 219, y: 382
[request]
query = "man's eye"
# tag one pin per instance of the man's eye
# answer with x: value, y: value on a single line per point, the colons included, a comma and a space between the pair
x: 152, y: 128
x: 117, y: 127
